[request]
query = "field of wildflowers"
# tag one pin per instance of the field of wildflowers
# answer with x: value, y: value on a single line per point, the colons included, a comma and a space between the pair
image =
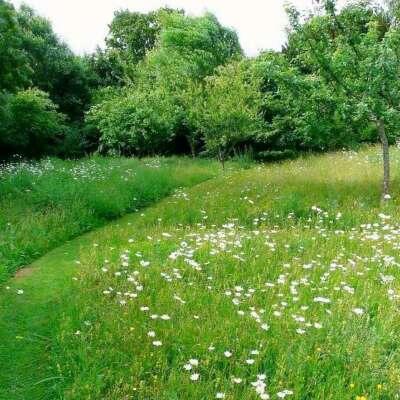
x: 277, y: 282
x: 43, y: 204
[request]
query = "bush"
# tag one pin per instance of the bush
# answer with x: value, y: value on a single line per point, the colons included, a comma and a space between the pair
x: 30, y: 124
x: 135, y: 122
x: 229, y: 112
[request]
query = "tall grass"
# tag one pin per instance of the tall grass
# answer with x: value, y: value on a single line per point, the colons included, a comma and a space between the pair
x: 280, y: 281
x: 46, y: 203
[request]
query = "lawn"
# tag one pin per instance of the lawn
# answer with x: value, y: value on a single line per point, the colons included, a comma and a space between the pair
x: 43, y: 204
x: 281, y: 281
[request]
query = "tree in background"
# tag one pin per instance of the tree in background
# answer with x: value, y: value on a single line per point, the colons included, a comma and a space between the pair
x: 131, y: 36
x: 135, y: 122
x: 30, y: 124
x: 300, y: 110
x: 230, y: 110
x: 356, y: 52
x: 32, y: 56
x: 107, y: 68
x: 187, y: 50
x: 55, y: 69
x: 14, y: 67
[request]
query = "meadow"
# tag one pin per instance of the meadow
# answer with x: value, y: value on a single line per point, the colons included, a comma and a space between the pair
x: 45, y: 203
x: 279, y: 281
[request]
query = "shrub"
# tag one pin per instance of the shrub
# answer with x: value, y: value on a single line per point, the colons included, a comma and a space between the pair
x: 229, y: 112
x: 30, y: 123
x: 135, y: 122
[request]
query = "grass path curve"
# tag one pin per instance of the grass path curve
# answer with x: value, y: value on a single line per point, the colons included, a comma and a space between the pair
x: 31, y: 305
x: 28, y: 319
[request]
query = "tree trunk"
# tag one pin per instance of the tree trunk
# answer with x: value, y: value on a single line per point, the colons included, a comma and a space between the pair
x: 221, y: 157
x: 386, y: 161
x: 192, y: 146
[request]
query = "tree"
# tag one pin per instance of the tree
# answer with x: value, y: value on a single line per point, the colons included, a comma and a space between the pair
x: 133, y: 34
x: 201, y: 43
x: 134, y: 122
x: 30, y: 125
x: 54, y: 68
x: 107, y: 68
x: 357, y: 54
x: 393, y: 9
x: 300, y: 110
x: 15, y: 70
x: 149, y: 113
x: 188, y: 50
x: 229, y: 113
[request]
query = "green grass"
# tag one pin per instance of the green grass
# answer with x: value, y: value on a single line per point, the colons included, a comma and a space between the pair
x: 304, y: 247
x: 44, y: 204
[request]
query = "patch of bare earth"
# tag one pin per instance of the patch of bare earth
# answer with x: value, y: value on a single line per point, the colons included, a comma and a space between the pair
x: 23, y: 272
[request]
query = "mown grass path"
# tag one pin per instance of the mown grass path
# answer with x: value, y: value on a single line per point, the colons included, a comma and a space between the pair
x: 44, y: 204
x: 28, y: 320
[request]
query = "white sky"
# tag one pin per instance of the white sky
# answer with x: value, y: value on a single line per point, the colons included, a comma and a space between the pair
x: 82, y: 24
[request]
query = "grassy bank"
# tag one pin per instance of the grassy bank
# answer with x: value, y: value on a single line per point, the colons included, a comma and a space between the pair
x: 276, y: 282
x: 46, y: 203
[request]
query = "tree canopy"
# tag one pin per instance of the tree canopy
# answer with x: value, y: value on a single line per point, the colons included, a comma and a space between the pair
x: 167, y: 82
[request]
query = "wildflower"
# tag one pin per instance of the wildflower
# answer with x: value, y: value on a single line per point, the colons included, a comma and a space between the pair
x: 227, y: 354
x: 194, y: 377
x: 220, y: 395
x: 321, y: 300
x: 358, y: 311
x: 284, y: 393
x: 157, y: 343
x: 265, y: 327
x: 383, y: 216
x: 151, y: 334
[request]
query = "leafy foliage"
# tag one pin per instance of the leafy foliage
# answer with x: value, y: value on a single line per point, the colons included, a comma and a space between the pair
x: 229, y: 112
x: 135, y: 122
x: 167, y: 82
x: 31, y: 123
x: 150, y: 114
x: 14, y: 67
x: 55, y: 69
